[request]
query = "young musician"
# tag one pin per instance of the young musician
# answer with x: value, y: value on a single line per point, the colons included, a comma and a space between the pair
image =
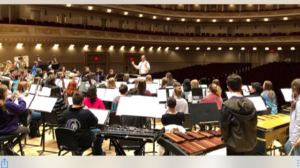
x: 172, y: 116
x: 72, y: 88
x: 111, y: 83
x: 59, y: 75
x: 214, y: 96
x: 50, y: 63
x: 103, y: 79
x: 143, y: 67
x: 91, y: 100
x: 123, y: 89
x: 98, y: 75
x: 51, y: 81
x: 84, y: 77
x: 170, y: 80
x: 13, y: 72
x: 269, y: 96
x: 126, y: 78
x: 186, y: 85
x: 142, y: 88
x: 35, y: 67
x: 62, y: 69
x: 6, y: 82
x: 111, y: 74
x: 148, y: 79
x: 80, y: 119
x: 164, y: 82
x: 181, y: 104
x: 294, y: 121
x: 9, y: 112
x: 39, y: 72
x: 60, y: 105
x: 21, y: 61
x: 194, y: 84
x: 17, y: 80
x: 238, y: 120
x: 255, y: 89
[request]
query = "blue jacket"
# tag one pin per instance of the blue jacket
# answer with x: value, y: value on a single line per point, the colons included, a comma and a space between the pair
x: 35, y: 68
x: 270, y: 102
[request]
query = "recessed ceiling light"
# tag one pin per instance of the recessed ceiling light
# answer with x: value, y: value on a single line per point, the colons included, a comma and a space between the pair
x: 285, y: 18
x: 19, y: 45
x: 198, y: 20
x: 266, y: 48
x: 71, y: 46
x: 177, y: 48
x: 0, y: 44
x: 154, y: 17
x: 141, y: 15
x: 230, y: 20
x: 86, y: 47
x: 68, y: 5
x: 142, y: 48
x: 183, y: 19
x: 99, y: 47
x: 254, y: 48
x: 167, y: 48
x: 230, y: 48
x: 151, y: 48
x: 111, y: 47
x: 132, y: 48
x: 90, y: 7
x: 248, y: 20
x: 266, y: 19
x: 279, y: 48
x: 208, y: 48
x: 292, y: 48
x: 122, y: 48
x: 187, y: 48
x: 108, y: 10
x: 243, y: 48
x: 168, y: 18
x: 214, y: 20
x: 125, y: 13
x: 158, y: 48
x: 198, y: 48
x: 55, y: 46
x: 38, y: 46
x: 219, y: 48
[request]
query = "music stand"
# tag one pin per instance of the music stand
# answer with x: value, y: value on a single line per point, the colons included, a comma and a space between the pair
x: 38, y: 104
x: 55, y: 66
x: 83, y: 87
x: 197, y: 93
x: 43, y: 67
x: 204, y: 113
x: 102, y: 115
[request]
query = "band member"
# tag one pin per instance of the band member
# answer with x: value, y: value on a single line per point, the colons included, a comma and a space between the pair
x: 21, y: 64
x: 111, y: 74
x: 13, y: 73
x: 144, y: 66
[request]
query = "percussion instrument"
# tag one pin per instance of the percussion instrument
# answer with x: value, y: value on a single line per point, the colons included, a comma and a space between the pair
x: 206, y: 134
x: 194, y: 143
x: 270, y: 128
x: 215, y: 133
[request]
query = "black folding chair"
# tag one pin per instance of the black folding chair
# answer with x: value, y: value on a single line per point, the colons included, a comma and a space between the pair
x: 51, y: 121
x: 6, y: 138
x: 66, y: 141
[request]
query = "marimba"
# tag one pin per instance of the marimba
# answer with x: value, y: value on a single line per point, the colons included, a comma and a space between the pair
x: 271, y: 128
x: 191, y: 143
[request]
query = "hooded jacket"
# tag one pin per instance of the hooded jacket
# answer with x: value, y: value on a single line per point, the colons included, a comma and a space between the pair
x: 238, y: 124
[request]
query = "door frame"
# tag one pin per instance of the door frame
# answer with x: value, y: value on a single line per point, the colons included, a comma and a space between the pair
x: 129, y: 54
x: 107, y: 54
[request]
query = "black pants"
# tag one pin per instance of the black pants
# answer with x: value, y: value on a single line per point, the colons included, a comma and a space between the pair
x: 233, y: 153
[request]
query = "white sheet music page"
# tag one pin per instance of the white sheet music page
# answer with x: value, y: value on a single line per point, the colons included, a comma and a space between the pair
x: 142, y: 77
x: 109, y: 94
x: 28, y: 99
x: 203, y: 86
x: 287, y: 94
x: 258, y: 102
x: 43, y: 104
x: 118, y: 84
x: 130, y: 86
x: 162, y: 95
x: 102, y: 115
x: 32, y: 88
x: 171, y: 92
x: 70, y: 100
x: 161, y: 110
x: 57, y: 81
x: 131, y: 80
x: 45, y: 92
x: 67, y: 81
x: 129, y: 106
x: 101, y: 93
x: 246, y: 93
x: 228, y: 94
x: 245, y: 87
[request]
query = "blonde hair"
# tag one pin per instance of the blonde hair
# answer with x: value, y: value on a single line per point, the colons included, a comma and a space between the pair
x: 59, y: 74
x: 23, y: 86
x: 178, y: 92
x: 148, y: 79
x: 126, y: 77
x: 215, y: 89
x: 35, y: 62
x: 164, y: 82
x: 268, y: 87
x: 3, y: 89
x: 111, y: 83
x: 136, y: 85
x: 194, y: 84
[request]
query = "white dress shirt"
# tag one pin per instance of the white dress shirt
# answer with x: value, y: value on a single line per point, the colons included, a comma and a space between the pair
x: 143, y: 69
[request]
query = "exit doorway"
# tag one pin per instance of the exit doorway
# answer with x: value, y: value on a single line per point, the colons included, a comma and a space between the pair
x: 127, y: 66
x: 97, y: 59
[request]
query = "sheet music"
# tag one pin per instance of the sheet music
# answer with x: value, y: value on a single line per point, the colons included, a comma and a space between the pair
x: 67, y: 81
x: 45, y: 92
x: 246, y: 93
x: 162, y: 95
x: 102, y: 115
x: 132, y: 80
x: 203, y: 85
x: 130, y: 86
x: 118, y: 84
x: 43, y: 104
x: 101, y: 93
x: 258, y: 102
x: 161, y: 110
x: 28, y: 99
x: 109, y: 95
x: 57, y: 81
x: 287, y: 94
x: 32, y: 88
x: 157, y: 81
x: 152, y: 87
x: 228, y: 94
x: 171, y: 92
x: 70, y: 100
x: 142, y: 77
x: 117, y: 93
x: 245, y: 87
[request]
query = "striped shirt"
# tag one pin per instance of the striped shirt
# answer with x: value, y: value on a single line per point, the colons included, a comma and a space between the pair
x: 60, y: 107
x: 213, y: 98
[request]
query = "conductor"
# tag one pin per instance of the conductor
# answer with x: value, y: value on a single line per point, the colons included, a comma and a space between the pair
x: 143, y: 66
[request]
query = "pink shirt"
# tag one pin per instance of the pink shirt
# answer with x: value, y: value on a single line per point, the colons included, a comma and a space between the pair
x: 98, y: 104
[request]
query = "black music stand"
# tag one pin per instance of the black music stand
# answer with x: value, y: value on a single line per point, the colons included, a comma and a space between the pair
x: 55, y: 66
x: 197, y: 93
x: 43, y: 67
x: 204, y: 113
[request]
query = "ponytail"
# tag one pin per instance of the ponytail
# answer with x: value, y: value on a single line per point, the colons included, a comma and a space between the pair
x: 178, y: 91
x: 215, y: 89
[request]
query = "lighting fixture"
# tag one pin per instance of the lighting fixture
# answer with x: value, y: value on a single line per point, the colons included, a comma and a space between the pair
x: 108, y: 10
x: 214, y: 20
x: 154, y: 17
x: 187, y: 48
x: 111, y: 47
x: 132, y: 48
x: 183, y: 19
x: 167, y: 48
x: 86, y: 47
x: 198, y: 20
x: 279, y: 48
x: 68, y: 5
x: 19, y: 45
x: 38, y: 46
x: 266, y: 19
x: 266, y: 48
x: 0, y: 45
x: 55, y: 46
x: 168, y: 18
x: 90, y: 7
x: 122, y: 48
x: 285, y: 18
x: 248, y: 20
x: 230, y: 48
x: 230, y: 20
x: 71, y: 46
x: 99, y: 47
x: 254, y: 48
x: 208, y: 48
x: 141, y: 15
x: 292, y: 48
x: 125, y: 13
x: 243, y: 48
x: 198, y: 48
x: 142, y: 48
x: 158, y: 48
x: 177, y: 48
x: 219, y: 48
x: 151, y: 48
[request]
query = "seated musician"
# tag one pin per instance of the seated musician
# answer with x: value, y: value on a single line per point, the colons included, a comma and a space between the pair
x: 164, y: 82
x: 6, y: 82
x: 24, y: 74
x: 35, y: 67
x: 80, y: 119
x: 21, y: 59
x: 39, y: 72
x: 186, y: 85
x: 214, y: 96
x: 111, y: 83
x: 72, y: 87
x: 59, y: 75
x: 194, y: 84
x: 51, y: 81
x: 74, y: 70
x: 181, y: 103
x: 9, y: 112
x: 149, y: 79
x: 91, y: 100
x: 142, y: 88
x: 17, y: 79
x: 98, y: 73
x: 217, y: 82
x: 111, y: 74
x: 85, y: 74
x: 177, y: 84
x: 86, y: 68
x: 60, y: 105
x: 126, y: 78
x: 269, y: 96
x: 123, y: 89
x: 255, y: 89
x: 13, y: 73
x: 103, y: 79
x: 238, y: 114
x: 170, y: 80
x: 172, y: 116
x: 50, y: 63
x: 62, y: 69
x: 294, y: 130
